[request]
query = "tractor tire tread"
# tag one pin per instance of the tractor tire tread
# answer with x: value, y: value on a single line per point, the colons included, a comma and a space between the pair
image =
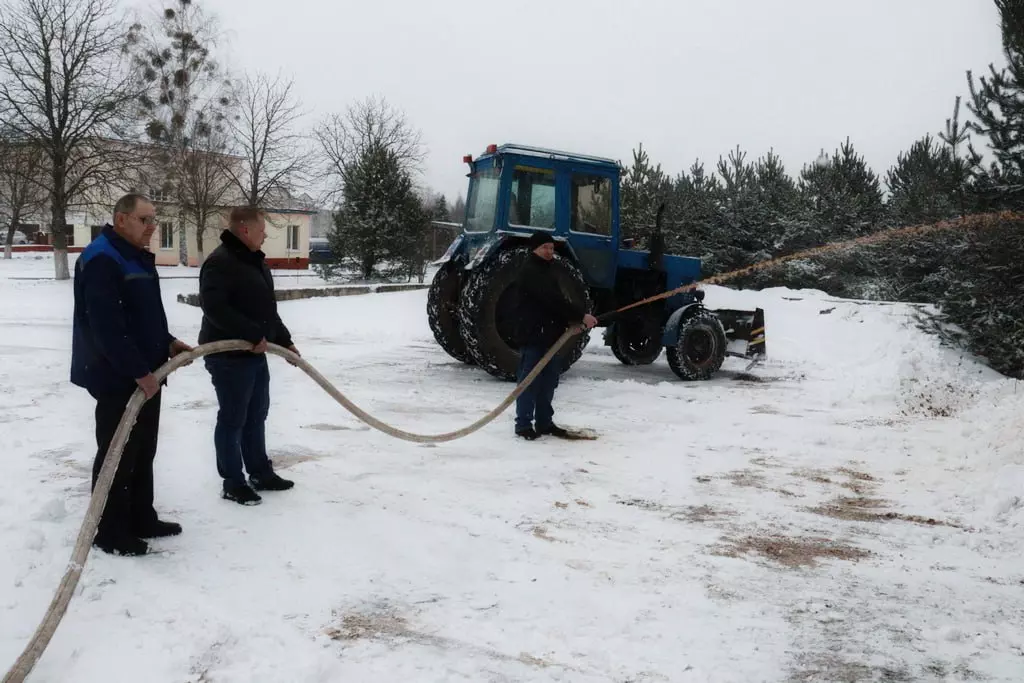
x: 472, y: 318
x: 442, y: 312
x: 678, y: 359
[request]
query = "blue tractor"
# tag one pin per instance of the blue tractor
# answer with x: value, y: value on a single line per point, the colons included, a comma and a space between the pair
x: 514, y: 191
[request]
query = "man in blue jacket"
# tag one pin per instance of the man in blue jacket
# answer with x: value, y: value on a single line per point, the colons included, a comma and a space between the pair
x: 120, y: 337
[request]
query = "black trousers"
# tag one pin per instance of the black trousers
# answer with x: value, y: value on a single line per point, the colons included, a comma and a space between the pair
x: 129, y: 505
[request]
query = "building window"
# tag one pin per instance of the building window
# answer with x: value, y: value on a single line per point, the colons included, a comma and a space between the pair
x: 533, y: 198
x: 95, y: 231
x: 293, y: 238
x: 157, y: 194
x: 166, y: 235
x: 591, y: 204
x: 69, y: 235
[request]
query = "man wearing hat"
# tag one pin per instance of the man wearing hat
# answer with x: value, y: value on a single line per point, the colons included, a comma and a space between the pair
x: 542, y: 315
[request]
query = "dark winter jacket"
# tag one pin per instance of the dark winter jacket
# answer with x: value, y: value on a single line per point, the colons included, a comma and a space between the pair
x: 236, y: 293
x: 119, y: 332
x: 542, y: 311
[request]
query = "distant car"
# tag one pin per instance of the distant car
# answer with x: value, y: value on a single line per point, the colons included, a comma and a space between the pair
x: 319, y: 250
x: 19, y: 237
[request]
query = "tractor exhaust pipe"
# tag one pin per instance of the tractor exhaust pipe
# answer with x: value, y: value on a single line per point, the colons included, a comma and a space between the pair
x: 656, y: 246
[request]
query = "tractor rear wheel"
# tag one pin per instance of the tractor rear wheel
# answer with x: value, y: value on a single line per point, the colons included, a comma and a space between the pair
x: 487, y: 312
x: 700, y: 350
x: 443, y: 311
x: 635, y: 341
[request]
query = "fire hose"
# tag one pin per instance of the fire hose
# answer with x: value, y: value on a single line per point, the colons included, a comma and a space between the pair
x: 58, y: 606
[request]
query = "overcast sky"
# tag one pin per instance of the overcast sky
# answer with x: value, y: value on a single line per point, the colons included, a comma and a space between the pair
x: 687, y: 78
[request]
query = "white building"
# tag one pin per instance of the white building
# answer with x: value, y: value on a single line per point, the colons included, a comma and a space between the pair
x: 289, y: 224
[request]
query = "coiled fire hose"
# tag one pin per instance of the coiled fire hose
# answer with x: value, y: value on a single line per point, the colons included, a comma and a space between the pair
x: 58, y: 606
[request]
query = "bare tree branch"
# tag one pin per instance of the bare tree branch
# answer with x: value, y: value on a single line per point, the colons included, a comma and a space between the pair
x: 266, y: 139
x: 346, y: 138
x: 23, y: 176
x: 186, y: 102
x: 63, y: 87
x: 205, y: 182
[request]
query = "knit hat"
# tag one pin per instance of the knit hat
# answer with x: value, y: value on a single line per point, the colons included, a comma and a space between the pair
x: 539, y: 238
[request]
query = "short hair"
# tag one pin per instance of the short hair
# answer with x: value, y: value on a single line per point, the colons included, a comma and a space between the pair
x: 128, y: 202
x: 240, y: 215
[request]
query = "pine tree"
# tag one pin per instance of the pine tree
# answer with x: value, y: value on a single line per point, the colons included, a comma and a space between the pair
x: 642, y: 190
x: 440, y: 210
x: 921, y: 184
x: 692, y: 214
x: 923, y: 188
x: 779, y: 199
x: 379, y: 228
x: 842, y: 197
x: 739, y: 219
x: 753, y: 209
x: 961, y: 170
x: 997, y: 102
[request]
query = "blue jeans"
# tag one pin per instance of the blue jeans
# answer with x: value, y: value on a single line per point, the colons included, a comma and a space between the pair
x: 534, y: 404
x: 243, y: 393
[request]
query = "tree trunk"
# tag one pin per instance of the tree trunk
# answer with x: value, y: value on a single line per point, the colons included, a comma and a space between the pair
x: 58, y: 219
x: 9, y: 242
x: 182, y: 243
x: 200, y: 229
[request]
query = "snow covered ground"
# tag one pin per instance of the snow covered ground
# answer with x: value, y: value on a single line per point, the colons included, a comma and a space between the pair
x: 852, y: 510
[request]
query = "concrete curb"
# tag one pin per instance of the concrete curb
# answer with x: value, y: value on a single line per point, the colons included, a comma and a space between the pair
x: 314, y: 292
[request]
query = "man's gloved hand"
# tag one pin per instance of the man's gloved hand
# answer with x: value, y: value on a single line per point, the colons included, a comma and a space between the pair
x: 589, y: 321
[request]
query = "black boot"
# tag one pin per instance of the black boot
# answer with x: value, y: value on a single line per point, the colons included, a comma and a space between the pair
x: 158, y: 529
x: 555, y: 431
x: 123, y: 545
x: 243, y: 495
x: 529, y: 434
x: 270, y: 482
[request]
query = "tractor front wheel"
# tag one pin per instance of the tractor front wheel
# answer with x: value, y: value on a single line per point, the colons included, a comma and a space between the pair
x: 487, y: 312
x: 443, y: 311
x: 700, y: 349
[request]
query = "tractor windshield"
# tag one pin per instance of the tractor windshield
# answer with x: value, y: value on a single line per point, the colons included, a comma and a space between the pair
x: 483, y: 200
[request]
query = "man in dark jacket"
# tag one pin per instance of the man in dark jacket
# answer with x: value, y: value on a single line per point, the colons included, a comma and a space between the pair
x: 542, y: 315
x: 236, y: 292
x: 119, y: 338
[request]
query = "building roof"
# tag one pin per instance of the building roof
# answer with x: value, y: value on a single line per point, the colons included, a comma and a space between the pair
x: 286, y: 203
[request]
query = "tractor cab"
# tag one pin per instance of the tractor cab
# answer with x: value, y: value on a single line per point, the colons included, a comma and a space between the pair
x: 516, y: 190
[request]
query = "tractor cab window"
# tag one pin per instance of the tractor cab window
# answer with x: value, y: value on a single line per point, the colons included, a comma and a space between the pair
x: 532, y: 202
x: 591, y: 204
x: 483, y: 200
